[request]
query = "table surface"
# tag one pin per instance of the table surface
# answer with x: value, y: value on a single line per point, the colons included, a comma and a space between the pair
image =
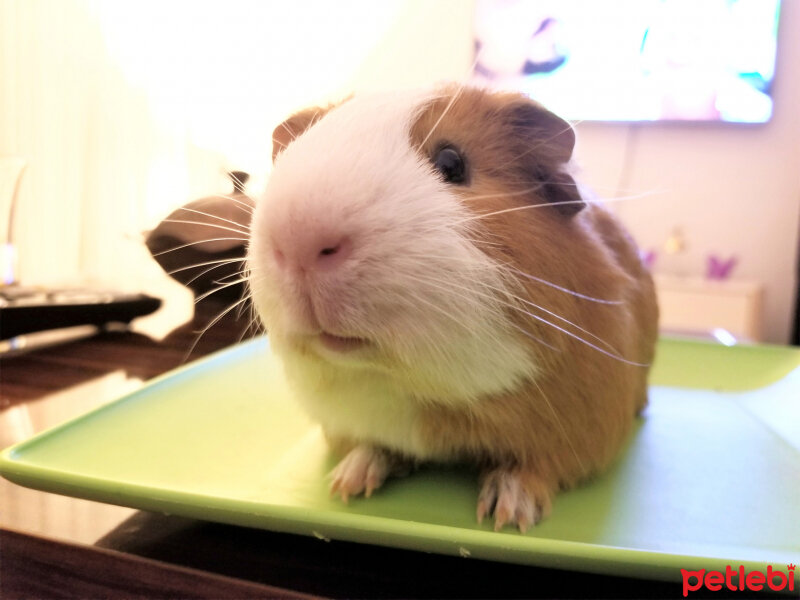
x: 55, y: 546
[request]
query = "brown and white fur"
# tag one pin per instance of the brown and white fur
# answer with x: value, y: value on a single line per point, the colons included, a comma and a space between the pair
x: 500, y: 321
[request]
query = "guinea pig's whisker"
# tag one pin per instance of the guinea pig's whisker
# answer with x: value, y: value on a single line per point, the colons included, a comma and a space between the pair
x: 457, y: 300
x: 610, y: 196
x: 552, y: 314
x: 219, y: 239
x: 475, y: 266
x: 462, y: 86
x: 241, y: 205
x: 484, y: 233
x: 254, y: 323
x: 281, y: 144
x: 542, y: 143
x: 535, y: 338
x: 205, y: 224
x: 254, y: 326
x: 532, y: 190
x: 251, y: 330
x: 518, y: 208
x: 463, y: 227
x: 563, y: 289
x: 235, y: 178
x: 288, y: 129
x: 208, y: 270
x: 416, y: 299
x: 241, y: 274
x: 242, y: 307
x: 528, y: 191
x: 226, y: 279
x: 523, y: 192
x: 515, y: 208
x: 292, y: 133
x: 554, y: 326
x: 219, y: 288
x: 446, y: 110
x: 213, y: 322
x: 437, y: 284
x: 219, y: 262
x: 484, y: 242
x: 213, y: 216
x: 248, y: 205
x: 564, y: 433
x: 511, y: 305
x: 586, y: 342
x: 451, y: 289
x: 589, y: 201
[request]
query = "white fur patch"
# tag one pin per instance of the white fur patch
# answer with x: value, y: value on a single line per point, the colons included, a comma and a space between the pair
x: 414, y: 285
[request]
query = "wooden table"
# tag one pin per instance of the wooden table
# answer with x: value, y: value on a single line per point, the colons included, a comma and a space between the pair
x: 53, y: 546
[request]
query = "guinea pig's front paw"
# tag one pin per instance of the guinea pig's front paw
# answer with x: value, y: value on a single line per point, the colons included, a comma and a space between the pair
x: 364, y: 469
x: 514, y: 497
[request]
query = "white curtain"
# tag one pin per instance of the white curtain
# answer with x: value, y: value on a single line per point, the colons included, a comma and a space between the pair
x: 92, y: 144
x: 128, y: 109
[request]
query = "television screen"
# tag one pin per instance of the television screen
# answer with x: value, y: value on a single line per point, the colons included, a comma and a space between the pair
x: 633, y: 60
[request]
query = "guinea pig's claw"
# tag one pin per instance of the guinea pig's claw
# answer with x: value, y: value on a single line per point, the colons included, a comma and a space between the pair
x: 505, y: 494
x: 486, y: 501
x: 336, y: 489
x: 483, y: 510
x: 500, y: 519
x: 376, y: 474
x: 523, y: 525
x: 363, y: 470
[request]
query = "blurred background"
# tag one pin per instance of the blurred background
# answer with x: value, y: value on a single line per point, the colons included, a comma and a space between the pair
x: 124, y: 111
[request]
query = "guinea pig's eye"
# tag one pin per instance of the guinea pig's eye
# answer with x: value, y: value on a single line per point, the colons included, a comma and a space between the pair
x: 449, y: 162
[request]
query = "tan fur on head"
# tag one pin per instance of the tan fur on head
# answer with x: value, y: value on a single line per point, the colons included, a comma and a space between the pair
x: 516, y: 142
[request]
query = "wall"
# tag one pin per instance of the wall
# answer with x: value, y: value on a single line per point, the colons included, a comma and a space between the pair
x: 732, y: 190
x: 119, y: 132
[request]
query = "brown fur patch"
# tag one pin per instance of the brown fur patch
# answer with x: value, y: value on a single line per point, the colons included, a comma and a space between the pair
x: 285, y: 133
x: 572, y: 421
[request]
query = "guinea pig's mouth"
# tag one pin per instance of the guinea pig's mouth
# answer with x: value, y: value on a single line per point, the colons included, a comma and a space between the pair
x: 338, y: 343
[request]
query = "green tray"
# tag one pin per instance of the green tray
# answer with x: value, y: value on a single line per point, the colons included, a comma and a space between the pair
x: 710, y: 477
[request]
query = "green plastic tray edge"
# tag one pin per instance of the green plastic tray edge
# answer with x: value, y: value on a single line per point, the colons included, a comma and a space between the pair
x: 479, y: 544
x: 738, y: 368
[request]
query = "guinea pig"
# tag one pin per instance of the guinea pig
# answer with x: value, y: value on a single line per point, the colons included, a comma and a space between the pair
x: 439, y: 291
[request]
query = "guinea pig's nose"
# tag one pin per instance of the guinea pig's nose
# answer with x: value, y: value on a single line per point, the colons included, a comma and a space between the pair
x: 309, y: 250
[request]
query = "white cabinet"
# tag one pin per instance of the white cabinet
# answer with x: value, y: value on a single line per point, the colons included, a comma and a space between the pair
x: 697, y: 306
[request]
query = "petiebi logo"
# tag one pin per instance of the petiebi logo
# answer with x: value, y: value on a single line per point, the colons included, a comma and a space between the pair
x: 738, y: 580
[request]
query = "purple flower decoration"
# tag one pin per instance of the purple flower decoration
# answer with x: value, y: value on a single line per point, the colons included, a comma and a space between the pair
x: 720, y: 269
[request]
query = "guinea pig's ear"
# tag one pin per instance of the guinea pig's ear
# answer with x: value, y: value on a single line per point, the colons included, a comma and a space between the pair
x: 544, y: 144
x: 291, y: 128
